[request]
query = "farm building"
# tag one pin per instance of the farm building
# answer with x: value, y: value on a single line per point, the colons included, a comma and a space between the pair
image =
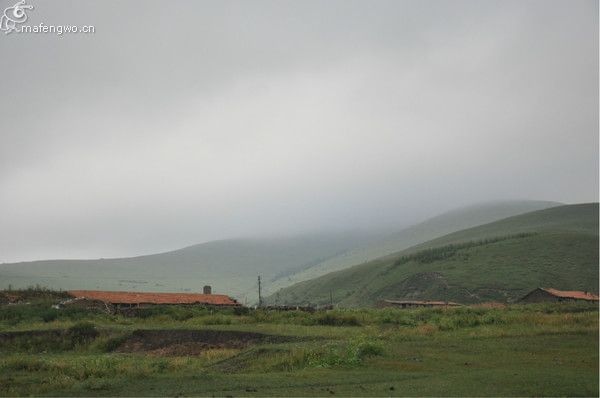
x: 116, y: 300
x: 546, y: 295
x: 414, y: 304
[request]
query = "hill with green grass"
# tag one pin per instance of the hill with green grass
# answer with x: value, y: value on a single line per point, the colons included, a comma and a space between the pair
x: 498, y: 261
x: 438, y: 226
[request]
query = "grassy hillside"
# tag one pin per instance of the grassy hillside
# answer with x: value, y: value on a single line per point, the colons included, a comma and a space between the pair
x: 432, y: 228
x: 556, y: 247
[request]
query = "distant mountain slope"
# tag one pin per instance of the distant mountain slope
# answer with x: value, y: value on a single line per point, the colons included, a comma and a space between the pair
x: 438, y: 226
x: 556, y: 247
x: 230, y: 266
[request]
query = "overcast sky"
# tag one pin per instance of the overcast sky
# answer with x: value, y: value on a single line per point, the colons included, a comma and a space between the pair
x: 186, y: 121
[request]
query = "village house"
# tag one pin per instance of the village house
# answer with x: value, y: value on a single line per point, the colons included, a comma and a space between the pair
x: 111, y: 301
x: 549, y: 295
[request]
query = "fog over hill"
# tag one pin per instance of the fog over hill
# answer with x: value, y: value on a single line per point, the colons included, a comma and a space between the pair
x: 232, y: 266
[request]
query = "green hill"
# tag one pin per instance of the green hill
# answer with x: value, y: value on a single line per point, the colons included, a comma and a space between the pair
x: 500, y: 261
x: 230, y: 266
x: 435, y: 227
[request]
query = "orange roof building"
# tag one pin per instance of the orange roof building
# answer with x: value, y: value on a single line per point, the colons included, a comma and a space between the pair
x: 141, y: 298
x: 543, y: 295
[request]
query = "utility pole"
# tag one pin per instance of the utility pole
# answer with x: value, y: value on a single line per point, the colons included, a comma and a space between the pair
x: 259, y: 293
x: 331, y: 299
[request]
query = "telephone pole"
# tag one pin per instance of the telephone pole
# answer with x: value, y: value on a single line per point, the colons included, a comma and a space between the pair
x: 259, y: 293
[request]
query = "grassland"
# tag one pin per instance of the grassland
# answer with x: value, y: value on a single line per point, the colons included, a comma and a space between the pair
x: 500, y: 261
x: 533, y: 350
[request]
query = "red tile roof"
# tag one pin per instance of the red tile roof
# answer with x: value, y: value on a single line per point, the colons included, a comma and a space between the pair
x: 153, y: 298
x: 572, y: 294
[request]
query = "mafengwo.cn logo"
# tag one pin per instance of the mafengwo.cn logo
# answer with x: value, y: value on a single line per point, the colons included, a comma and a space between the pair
x: 14, y: 17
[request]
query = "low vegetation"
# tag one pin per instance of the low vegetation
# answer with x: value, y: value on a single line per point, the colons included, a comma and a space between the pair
x: 515, y: 350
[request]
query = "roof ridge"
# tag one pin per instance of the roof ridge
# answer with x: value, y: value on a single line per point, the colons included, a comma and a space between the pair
x: 118, y: 297
x: 577, y: 294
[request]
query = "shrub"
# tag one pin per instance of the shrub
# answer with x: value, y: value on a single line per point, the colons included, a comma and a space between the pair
x: 49, y: 315
x: 368, y: 349
x: 161, y: 365
x: 351, y: 354
x: 241, y: 311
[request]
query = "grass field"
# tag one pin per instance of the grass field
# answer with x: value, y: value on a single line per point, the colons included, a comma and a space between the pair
x: 533, y: 350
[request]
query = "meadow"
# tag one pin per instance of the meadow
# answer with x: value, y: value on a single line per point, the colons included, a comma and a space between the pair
x: 519, y: 350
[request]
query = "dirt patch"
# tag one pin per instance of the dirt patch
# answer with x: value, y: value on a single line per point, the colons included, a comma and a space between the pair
x: 192, y: 342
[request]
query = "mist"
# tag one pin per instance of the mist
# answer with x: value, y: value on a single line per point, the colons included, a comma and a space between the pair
x: 180, y: 123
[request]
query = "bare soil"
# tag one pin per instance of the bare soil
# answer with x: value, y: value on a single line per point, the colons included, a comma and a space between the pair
x: 192, y: 342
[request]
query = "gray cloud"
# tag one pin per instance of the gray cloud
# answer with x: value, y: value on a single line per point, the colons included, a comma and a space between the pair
x: 187, y: 121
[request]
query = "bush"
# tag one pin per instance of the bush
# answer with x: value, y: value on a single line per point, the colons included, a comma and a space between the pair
x: 352, y: 354
x: 241, y: 311
x: 41, y: 310
x: 368, y: 349
x: 49, y: 315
